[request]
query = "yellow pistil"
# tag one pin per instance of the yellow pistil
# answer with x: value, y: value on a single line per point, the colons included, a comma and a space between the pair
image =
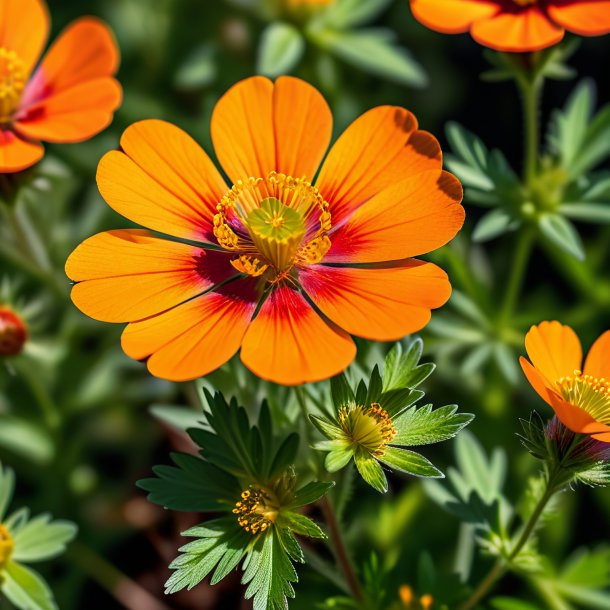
x: 257, y: 510
x: 6, y: 546
x: 12, y: 83
x: 368, y: 427
x: 273, y: 224
x: 587, y: 393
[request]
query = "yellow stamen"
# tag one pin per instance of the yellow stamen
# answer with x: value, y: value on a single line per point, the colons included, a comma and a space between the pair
x: 6, y: 546
x: 426, y: 601
x: 587, y: 393
x: 369, y: 427
x: 12, y: 83
x: 257, y: 510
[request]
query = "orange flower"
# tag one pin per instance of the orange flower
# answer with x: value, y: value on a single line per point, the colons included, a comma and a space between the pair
x: 69, y: 98
x: 515, y: 25
x: 580, y: 398
x: 275, y: 265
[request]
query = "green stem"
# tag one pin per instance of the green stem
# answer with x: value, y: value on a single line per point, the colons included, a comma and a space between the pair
x: 340, y: 550
x: 531, y: 89
x: 503, y: 564
x: 48, y: 408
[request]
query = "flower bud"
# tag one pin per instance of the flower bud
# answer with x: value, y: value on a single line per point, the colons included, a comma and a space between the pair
x: 13, y: 332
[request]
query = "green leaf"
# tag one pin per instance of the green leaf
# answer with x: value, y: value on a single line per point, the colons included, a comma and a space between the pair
x: 41, y: 539
x: 286, y: 454
x: 310, y: 493
x: 397, y: 401
x: 562, y: 233
x: 586, y: 212
x: 410, y: 463
x: 347, y: 14
x: 199, y: 70
x: 341, y: 391
x: 375, y: 387
x: 179, y: 418
x: 370, y: 470
x: 402, y: 370
x: 269, y: 573
x: 193, y: 486
x: 493, y: 224
x: 7, y: 486
x: 338, y: 458
x: 510, y: 603
x: 26, y: 439
x: 374, y: 51
x: 281, y: 48
x: 25, y: 588
x: 425, y: 426
x: 326, y: 427
x: 300, y: 524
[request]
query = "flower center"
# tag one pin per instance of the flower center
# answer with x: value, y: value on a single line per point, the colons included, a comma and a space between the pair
x: 369, y: 427
x: 12, y: 83
x: 13, y: 333
x: 273, y: 224
x: 6, y: 546
x: 257, y: 510
x: 587, y: 393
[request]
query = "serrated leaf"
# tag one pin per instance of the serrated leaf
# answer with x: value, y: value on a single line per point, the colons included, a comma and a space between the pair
x: 300, y: 524
x: 326, y: 427
x: 425, y: 426
x: 310, y: 493
x: 25, y: 588
x: 410, y: 462
x: 562, y: 233
x: 42, y: 539
x: 281, y: 48
x: 370, y: 470
x: 341, y: 391
x: 401, y: 370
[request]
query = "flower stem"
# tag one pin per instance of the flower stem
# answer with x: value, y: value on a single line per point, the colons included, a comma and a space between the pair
x: 340, y: 550
x: 503, y: 564
x: 531, y: 89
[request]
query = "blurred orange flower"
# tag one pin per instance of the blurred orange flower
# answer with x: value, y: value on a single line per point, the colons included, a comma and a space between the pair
x: 580, y: 397
x: 69, y: 98
x: 275, y: 265
x: 515, y: 25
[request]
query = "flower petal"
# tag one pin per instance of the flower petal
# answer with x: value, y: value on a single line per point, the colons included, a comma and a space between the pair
x: 17, y: 154
x: 597, y: 362
x: 554, y: 350
x: 128, y: 275
x: 452, y: 16
x: 258, y: 127
x: 74, y: 114
x: 583, y: 17
x: 576, y: 419
x: 195, y: 338
x: 517, y: 30
x: 164, y: 181
x: 24, y: 27
x: 380, y: 148
x: 543, y: 387
x: 409, y: 218
x: 289, y: 343
x: 382, y: 304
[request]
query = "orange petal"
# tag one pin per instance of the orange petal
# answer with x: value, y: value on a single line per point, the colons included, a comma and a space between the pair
x: 409, y: 218
x: 597, y: 362
x: 576, y: 419
x: 24, y: 27
x: 17, y: 154
x: 195, y: 338
x: 289, y: 343
x: 518, y: 30
x: 583, y: 17
x: 165, y: 182
x: 128, y: 275
x: 543, y: 388
x: 380, y: 148
x: 452, y: 16
x: 382, y: 304
x: 554, y: 350
x: 84, y: 51
x: 74, y: 114
x: 604, y: 437
x: 258, y: 127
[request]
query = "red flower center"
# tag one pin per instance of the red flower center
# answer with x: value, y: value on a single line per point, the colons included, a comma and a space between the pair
x: 12, y: 83
x: 13, y: 333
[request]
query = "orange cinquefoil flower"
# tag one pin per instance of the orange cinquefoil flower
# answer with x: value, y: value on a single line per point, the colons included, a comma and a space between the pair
x: 70, y: 97
x: 580, y: 397
x: 284, y: 269
x: 515, y: 25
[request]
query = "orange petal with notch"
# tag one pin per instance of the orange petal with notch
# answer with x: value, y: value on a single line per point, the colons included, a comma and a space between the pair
x: 74, y: 114
x: 290, y: 344
x: 382, y: 304
x: 380, y: 148
x: 597, y: 362
x: 195, y: 338
x: 17, y: 154
x: 128, y: 275
x: 583, y: 17
x: 554, y: 350
x: 453, y: 16
x: 259, y: 126
x: 409, y: 218
x: 518, y: 30
x: 24, y: 27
